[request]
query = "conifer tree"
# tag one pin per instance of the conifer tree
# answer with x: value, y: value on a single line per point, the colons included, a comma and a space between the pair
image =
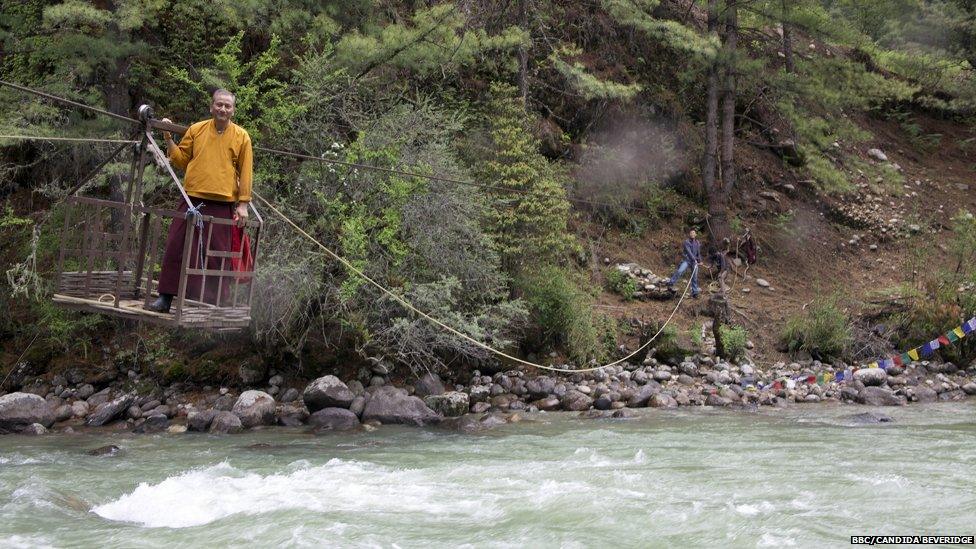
x: 527, y: 223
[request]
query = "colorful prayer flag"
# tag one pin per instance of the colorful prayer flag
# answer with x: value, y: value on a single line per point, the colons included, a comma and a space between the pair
x: 944, y: 340
x: 952, y: 336
x: 913, y: 354
x: 927, y: 350
x: 839, y: 376
x: 935, y: 344
x: 959, y: 333
x: 897, y: 360
x: 967, y: 327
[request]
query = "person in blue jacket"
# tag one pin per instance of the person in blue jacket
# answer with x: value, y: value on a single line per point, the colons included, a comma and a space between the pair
x: 691, y: 257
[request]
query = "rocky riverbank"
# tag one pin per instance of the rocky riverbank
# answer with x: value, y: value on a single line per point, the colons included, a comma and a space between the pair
x: 480, y: 401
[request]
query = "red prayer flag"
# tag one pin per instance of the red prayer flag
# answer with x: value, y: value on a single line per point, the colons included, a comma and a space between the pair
x: 897, y: 360
x: 944, y: 340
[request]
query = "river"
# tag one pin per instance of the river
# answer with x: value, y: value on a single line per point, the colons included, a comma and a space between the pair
x: 805, y: 476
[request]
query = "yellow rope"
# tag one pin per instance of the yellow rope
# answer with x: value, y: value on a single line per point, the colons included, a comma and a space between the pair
x: 457, y: 333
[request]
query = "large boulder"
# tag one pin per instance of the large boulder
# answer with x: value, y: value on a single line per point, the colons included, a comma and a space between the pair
x: 451, y: 404
x: 715, y: 399
x: 924, y: 393
x: 662, y: 400
x: 327, y: 392
x: 387, y: 404
x: 20, y: 410
x: 429, y: 384
x: 879, y: 396
x: 540, y: 387
x: 255, y: 408
x: 644, y: 394
x: 200, y: 420
x: 108, y: 411
x: 576, y: 401
x: 871, y: 377
x: 333, y: 419
x: 224, y: 423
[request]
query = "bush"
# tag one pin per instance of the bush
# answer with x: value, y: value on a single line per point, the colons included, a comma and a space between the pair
x: 561, y: 313
x: 621, y: 284
x: 733, y: 341
x: 823, y: 329
x: 944, y: 301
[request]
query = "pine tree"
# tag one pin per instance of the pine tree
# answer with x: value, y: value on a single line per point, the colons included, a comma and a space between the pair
x: 529, y: 223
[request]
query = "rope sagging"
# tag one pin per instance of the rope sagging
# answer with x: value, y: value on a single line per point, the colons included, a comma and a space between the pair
x: 352, y: 268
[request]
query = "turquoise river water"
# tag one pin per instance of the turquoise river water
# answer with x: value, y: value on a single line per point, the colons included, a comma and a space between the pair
x: 806, y: 477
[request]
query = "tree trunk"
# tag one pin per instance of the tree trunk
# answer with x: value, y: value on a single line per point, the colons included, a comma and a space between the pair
x: 718, y: 201
x: 710, y: 162
x: 788, y: 38
x: 523, y: 54
x: 718, y: 308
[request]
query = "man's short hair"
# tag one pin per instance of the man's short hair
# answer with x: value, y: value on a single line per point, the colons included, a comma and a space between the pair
x: 223, y: 91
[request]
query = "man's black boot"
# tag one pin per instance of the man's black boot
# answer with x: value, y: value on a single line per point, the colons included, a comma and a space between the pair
x: 162, y: 304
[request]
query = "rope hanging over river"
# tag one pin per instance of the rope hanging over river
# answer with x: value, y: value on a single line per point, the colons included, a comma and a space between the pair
x: 349, y: 266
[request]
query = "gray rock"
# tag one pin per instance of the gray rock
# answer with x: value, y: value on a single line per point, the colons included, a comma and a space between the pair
x: 969, y: 388
x: 200, y: 421
x: 334, y: 419
x: 879, y: 396
x: 688, y: 368
x: 644, y: 394
x: 547, y: 404
x: 155, y: 423
x: 98, y: 398
x: 255, y: 408
x: 662, y: 400
x: 540, y: 387
x: 482, y: 407
x: 79, y: 408
x: 603, y: 402
x: 871, y: 377
x: 480, y: 393
x: 327, y: 392
x: 955, y: 394
x: 85, y: 391
x: 924, y: 393
x: 762, y: 282
x: 150, y: 405
x: 877, y: 155
x: 134, y: 412
x: 870, y: 417
x: 623, y: 413
x: 358, y: 405
x: 34, y: 429
x: 110, y: 410
x: 686, y: 379
x: 225, y: 423
x: 63, y: 413
x: 292, y: 415
x: 430, y: 384
x: 576, y: 401
x: 387, y: 404
x: 276, y: 380
x: 451, y: 404
x: 356, y: 387
x: 661, y: 375
x: 291, y: 395
x: 106, y: 451
x: 714, y: 399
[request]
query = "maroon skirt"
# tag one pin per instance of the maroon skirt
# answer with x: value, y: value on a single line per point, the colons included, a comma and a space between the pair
x: 219, y: 241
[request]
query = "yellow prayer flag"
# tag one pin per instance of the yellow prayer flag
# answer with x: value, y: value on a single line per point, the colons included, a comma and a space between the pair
x: 958, y: 331
x: 913, y: 354
x: 873, y: 365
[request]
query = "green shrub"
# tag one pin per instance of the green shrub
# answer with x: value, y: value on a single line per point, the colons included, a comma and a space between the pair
x: 621, y: 284
x: 561, y: 313
x: 822, y: 328
x: 733, y: 341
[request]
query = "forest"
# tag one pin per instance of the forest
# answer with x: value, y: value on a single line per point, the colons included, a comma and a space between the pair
x: 554, y: 126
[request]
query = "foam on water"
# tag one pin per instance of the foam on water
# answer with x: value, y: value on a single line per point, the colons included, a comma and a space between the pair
x: 206, y: 495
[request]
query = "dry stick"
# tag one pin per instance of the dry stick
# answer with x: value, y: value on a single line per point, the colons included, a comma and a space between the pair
x: 14, y: 365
